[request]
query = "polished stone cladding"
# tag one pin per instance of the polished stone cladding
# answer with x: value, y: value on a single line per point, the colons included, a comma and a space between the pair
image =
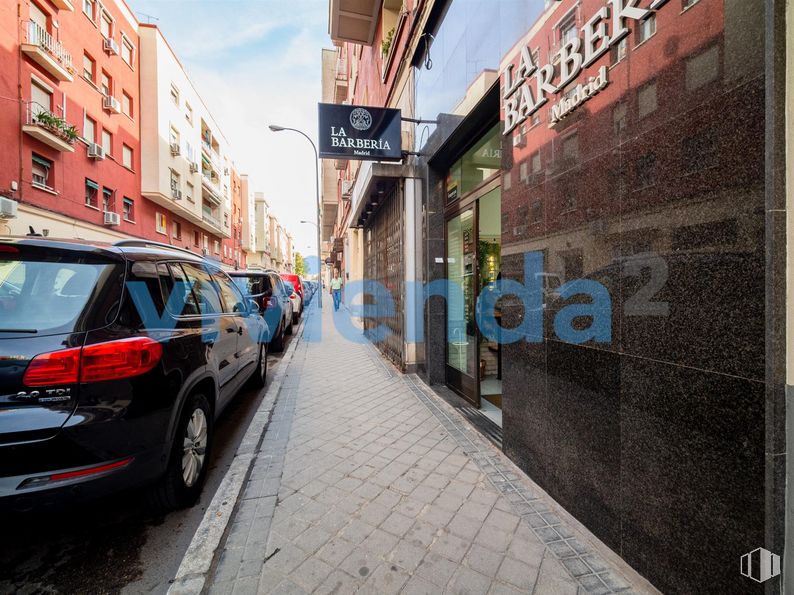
x: 654, y: 188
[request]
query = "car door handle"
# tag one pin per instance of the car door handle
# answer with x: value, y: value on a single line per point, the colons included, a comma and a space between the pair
x: 230, y: 330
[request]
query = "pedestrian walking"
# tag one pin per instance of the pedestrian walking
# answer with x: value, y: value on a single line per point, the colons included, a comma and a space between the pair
x: 336, y: 289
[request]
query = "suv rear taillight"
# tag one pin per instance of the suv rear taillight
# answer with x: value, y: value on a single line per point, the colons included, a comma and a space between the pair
x: 112, y: 360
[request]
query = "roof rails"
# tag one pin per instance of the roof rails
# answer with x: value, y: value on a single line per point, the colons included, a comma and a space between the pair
x: 147, y: 243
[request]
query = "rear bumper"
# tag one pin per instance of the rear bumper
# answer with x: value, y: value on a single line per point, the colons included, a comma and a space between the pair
x: 62, y: 486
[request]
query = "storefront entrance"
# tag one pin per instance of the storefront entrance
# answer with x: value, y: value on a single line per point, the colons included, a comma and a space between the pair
x: 473, y: 244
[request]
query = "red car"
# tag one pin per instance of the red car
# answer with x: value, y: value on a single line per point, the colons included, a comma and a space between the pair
x: 296, y: 283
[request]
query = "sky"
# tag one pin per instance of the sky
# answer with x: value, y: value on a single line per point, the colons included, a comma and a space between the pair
x: 257, y: 62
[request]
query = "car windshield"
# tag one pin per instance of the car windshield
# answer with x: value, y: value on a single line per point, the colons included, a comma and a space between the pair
x: 46, y: 295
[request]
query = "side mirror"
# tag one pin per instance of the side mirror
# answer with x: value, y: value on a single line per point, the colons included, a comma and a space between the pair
x: 253, y: 306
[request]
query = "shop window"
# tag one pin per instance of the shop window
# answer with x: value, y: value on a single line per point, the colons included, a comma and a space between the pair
x: 176, y: 230
x: 91, y: 192
x: 160, y: 223
x: 478, y: 164
x: 618, y: 51
x: 107, y: 199
x: 89, y: 68
x: 107, y: 141
x: 129, y: 209
x: 646, y: 29
x: 620, y: 120
x: 647, y: 101
x: 89, y: 130
x: 702, y: 68
x: 126, y: 156
x: 645, y: 168
x: 41, y: 172
x: 126, y: 104
x: 699, y: 151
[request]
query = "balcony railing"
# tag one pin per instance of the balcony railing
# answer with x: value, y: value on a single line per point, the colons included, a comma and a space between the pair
x: 211, y: 219
x: 40, y: 37
x: 42, y: 124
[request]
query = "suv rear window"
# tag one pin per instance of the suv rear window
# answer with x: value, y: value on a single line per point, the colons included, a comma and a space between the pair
x: 254, y: 285
x: 56, y: 292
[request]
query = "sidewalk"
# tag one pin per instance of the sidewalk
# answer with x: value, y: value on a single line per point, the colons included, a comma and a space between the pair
x: 367, y: 482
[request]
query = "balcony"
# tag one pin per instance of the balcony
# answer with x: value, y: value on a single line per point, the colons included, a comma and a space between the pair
x: 53, y: 131
x: 48, y: 53
x: 354, y: 20
x: 211, y: 219
x: 209, y: 188
x: 64, y: 5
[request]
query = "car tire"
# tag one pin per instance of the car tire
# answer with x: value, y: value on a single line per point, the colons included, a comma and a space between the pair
x: 295, y: 318
x: 289, y: 328
x: 188, y: 462
x: 277, y: 343
x: 259, y: 377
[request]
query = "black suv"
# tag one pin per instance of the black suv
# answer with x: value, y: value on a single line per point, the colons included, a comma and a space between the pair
x: 115, y: 361
x: 270, y: 293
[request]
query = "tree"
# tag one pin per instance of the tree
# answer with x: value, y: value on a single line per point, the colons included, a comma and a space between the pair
x: 300, y: 265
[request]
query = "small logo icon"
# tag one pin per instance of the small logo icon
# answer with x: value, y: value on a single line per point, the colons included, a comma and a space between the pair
x: 760, y: 565
x: 360, y: 119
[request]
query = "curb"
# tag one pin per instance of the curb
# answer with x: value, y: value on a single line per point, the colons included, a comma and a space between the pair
x: 197, y: 562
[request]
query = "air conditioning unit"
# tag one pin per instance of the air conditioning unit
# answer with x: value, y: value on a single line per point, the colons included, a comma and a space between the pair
x: 112, y: 218
x: 176, y: 194
x: 520, y: 140
x: 96, y: 151
x: 175, y: 150
x: 347, y: 187
x: 193, y: 167
x: 111, y: 47
x: 8, y: 208
x: 112, y: 104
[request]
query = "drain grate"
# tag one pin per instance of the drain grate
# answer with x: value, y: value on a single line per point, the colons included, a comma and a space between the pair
x: 484, y: 424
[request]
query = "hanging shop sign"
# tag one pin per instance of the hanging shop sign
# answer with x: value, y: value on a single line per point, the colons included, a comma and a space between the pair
x: 529, y: 86
x: 359, y: 132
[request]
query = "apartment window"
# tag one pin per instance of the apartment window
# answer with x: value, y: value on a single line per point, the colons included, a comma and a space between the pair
x: 205, y: 241
x: 40, y: 97
x: 645, y: 168
x: 226, y: 219
x: 126, y: 104
x: 106, y: 25
x: 196, y: 238
x: 107, y: 142
x: 189, y: 192
x: 174, y: 136
x: 618, y: 51
x: 702, y: 68
x: 569, y: 190
x: 536, y: 163
x: 160, y: 223
x: 129, y: 209
x: 91, y: 191
x: 647, y: 101
x: 536, y: 211
x: 89, y: 130
x: 568, y: 28
x: 522, y: 171
x: 127, y: 51
x: 646, y: 29
x: 88, y: 8
x: 620, y: 119
x: 38, y: 16
x: 216, y: 246
x: 188, y: 112
x: 41, y: 172
x: 175, y: 182
x: 107, y: 199
x: 106, y: 84
x: 176, y: 230
x: 89, y: 67
x: 126, y: 156
x: 174, y: 95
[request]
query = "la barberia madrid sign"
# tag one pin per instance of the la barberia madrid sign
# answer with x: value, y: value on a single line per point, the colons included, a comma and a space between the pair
x: 359, y: 132
x: 528, y: 86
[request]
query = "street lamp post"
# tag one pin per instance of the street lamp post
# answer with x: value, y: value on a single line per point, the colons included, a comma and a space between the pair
x: 276, y: 128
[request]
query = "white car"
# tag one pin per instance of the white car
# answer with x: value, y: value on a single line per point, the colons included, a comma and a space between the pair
x: 295, y: 298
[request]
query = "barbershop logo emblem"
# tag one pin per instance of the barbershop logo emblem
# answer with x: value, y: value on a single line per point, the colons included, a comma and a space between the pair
x: 360, y: 119
x: 760, y: 565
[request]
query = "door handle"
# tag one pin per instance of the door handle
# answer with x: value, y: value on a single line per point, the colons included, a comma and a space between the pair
x: 230, y: 330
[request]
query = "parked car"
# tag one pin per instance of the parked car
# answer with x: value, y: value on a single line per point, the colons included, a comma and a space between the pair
x: 297, y: 302
x: 267, y: 289
x: 296, y: 283
x: 115, y: 361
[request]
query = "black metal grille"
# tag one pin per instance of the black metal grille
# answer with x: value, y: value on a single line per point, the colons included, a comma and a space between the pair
x: 383, y: 270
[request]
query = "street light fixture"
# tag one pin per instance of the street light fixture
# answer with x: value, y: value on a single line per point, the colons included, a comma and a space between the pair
x: 277, y: 128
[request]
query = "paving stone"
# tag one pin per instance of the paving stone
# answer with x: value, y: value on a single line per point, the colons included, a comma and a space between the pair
x: 483, y: 560
x: 518, y: 573
x: 311, y: 573
x: 493, y: 538
x: 357, y: 531
x: 397, y: 524
x: 387, y: 579
x: 466, y: 581
x: 421, y: 533
x: 380, y: 542
x: 450, y: 546
x: 312, y: 539
x: 464, y: 527
x: 416, y: 585
x: 436, y: 569
x: 407, y: 555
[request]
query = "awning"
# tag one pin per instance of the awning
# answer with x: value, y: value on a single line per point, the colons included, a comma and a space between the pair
x: 91, y: 184
x: 44, y: 163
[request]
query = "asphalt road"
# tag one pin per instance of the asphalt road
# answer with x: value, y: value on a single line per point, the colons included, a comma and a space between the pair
x: 115, y: 545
